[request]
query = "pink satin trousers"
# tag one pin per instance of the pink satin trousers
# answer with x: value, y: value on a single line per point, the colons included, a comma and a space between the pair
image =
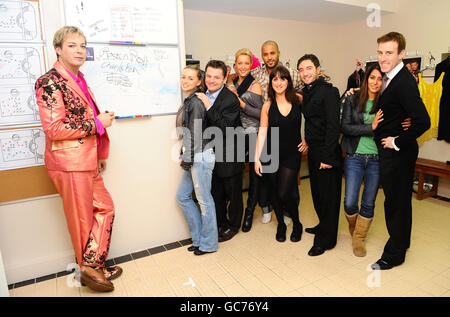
x: 89, y: 212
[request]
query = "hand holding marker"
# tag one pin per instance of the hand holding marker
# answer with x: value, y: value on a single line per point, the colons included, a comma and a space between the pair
x: 106, y: 118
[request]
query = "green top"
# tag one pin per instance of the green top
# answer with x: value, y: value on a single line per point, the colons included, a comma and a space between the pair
x: 366, y: 144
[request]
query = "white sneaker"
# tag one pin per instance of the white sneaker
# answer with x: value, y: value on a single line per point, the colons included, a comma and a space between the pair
x: 287, y: 220
x: 266, y: 218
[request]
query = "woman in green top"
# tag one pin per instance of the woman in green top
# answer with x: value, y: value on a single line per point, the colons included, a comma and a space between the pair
x: 359, y: 120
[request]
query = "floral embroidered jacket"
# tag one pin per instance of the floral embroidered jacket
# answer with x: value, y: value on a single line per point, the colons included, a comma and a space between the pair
x: 68, y: 122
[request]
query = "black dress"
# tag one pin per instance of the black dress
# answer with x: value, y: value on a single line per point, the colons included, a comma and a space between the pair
x: 289, y: 135
x: 284, y: 180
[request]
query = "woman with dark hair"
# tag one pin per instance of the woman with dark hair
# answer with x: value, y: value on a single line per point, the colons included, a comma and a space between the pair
x: 359, y: 121
x: 282, y: 111
x: 361, y: 162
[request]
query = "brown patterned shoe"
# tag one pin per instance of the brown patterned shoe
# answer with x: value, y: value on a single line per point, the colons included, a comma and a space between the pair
x: 112, y: 272
x: 95, y: 280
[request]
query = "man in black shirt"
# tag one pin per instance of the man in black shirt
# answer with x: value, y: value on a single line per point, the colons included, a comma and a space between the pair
x: 322, y: 126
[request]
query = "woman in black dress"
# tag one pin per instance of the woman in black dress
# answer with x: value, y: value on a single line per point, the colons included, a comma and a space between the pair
x: 281, y: 115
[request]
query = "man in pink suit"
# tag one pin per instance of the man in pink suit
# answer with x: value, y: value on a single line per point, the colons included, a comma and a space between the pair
x: 76, y: 149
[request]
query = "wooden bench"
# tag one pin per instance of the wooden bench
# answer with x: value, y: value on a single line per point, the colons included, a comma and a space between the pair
x: 430, y: 167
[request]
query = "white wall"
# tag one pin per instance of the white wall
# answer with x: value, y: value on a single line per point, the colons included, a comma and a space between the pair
x: 216, y: 35
x: 141, y: 177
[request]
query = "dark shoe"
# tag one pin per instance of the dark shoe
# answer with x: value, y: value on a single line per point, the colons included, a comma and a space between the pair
x: 227, y: 235
x: 383, y: 264
x: 220, y: 231
x: 95, y: 280
x: 316, y: 250
x: 248, y: 220
x: 281, y: 232
x: 192, y: 248
x: 296, y: 234
x: 312, y: 230
x: 200, y: 252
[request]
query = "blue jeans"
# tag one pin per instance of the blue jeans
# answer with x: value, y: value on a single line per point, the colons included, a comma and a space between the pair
x: 358, y: 167
x: 202, y: 225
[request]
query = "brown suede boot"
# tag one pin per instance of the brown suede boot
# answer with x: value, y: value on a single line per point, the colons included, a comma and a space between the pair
x: 351, y: 222
x: 361, y: 229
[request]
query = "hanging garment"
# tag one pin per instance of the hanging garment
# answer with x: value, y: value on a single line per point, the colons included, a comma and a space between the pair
x: 431, y: 97
x: 444, y: 110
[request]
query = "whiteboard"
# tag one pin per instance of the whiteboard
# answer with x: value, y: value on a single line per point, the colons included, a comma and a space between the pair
x: 134, y: 80
x: 146, y: 21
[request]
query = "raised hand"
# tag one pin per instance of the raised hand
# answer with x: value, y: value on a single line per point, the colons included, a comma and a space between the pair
x: 378, y: 118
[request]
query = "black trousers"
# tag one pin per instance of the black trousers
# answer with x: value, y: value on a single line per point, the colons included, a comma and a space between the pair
x: 283, y: 183
x: 258, y: 187
x: 396, y: 177
x: 228, y: 191
x: 326, y: 185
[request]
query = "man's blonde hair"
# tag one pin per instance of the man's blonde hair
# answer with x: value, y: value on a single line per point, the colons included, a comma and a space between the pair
x: 62, y: 33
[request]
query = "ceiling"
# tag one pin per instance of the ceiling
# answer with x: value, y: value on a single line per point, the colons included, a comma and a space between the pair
x: 314, y: 11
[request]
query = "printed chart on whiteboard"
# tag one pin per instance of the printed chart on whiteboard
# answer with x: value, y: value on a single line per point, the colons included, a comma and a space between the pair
x: 22, y: 148
x: 20, y: 67
x: 150, y: 21
x: 19, y: 21
x: 134, y: 80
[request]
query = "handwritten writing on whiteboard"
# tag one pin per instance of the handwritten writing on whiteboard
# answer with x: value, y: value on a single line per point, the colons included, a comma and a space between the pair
x: 150, y: 21
x: 19, y: 21
x: 22, y: 148
x: 19, y: 69
x: 135, y: 80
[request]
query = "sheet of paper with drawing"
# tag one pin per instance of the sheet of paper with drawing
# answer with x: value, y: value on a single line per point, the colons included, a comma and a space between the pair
x: 150, y: 21
x: 134, y: 80
x: 21, y: 65
x: 22, y: 148
x: 19, y: 21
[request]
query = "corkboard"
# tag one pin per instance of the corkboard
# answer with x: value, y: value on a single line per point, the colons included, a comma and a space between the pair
x: 25, y: 183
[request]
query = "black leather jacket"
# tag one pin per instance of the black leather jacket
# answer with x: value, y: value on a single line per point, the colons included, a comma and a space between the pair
x: 194, y: 119
x: 352, y: 125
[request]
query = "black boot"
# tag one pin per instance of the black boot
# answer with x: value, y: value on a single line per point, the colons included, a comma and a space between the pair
x: 248, y: 220
x: 296, y: 234
x: 281, y: 232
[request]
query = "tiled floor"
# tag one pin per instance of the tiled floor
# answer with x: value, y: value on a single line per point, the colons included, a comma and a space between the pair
x: 255, y: 264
